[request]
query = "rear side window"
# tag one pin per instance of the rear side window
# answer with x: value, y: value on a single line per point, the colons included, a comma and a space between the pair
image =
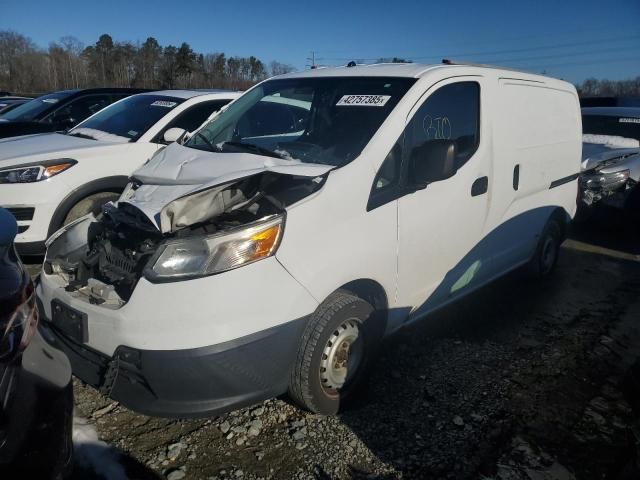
x: 78, y: 110
x: 450, y: 113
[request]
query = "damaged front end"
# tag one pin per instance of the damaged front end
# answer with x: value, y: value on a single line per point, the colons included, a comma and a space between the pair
x: 611, y: 187
x: 608, y: 175
x: 204, y: 232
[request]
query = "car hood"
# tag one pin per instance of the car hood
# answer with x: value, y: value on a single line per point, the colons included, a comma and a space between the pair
x: 594, y: 155
x: 30, y: 148
x: 182, y: 186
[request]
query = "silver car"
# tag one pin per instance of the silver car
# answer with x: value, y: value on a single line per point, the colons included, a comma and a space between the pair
x: 611, y: 157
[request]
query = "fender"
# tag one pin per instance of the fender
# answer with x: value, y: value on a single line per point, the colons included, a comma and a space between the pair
x: 107, y: 184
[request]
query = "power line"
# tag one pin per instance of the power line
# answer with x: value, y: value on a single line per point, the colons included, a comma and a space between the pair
x: 584, y: 62
x: 571, y: 55
x: 500, y: 52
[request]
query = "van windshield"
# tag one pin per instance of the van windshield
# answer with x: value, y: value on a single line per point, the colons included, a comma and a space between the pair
x: 325, y: 120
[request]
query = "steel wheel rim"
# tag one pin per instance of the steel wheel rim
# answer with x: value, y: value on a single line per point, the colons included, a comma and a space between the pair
x: 341, y: 356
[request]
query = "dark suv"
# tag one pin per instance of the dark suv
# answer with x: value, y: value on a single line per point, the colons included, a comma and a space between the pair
x: 36, y: 396
x: 60, y: 110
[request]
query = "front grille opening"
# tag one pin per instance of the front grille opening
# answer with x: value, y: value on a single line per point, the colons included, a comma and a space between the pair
x: 22, y: 213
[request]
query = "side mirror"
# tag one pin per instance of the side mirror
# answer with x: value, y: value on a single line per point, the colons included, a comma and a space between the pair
x: 432, y: 161
x: 8, y: 228
x: 173, y: 134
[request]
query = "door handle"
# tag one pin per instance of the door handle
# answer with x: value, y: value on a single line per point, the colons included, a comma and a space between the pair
x: 480, y: 186
x: 516, y: 177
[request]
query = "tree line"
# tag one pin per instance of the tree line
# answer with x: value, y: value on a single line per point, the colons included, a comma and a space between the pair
x: 609, y: 88
x: 67, y: 63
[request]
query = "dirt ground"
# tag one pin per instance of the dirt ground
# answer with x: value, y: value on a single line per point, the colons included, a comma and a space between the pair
x: 521, y: 380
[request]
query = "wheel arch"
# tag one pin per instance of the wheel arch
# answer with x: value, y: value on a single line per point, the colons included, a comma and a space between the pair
x: 563, y: 218
x: 373, y: 292
x: 113, y: 184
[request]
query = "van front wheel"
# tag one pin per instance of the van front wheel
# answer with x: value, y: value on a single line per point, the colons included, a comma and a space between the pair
x: 334, y: 354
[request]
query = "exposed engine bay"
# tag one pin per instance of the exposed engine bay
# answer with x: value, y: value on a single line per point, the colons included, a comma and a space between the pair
x: 104, y: 264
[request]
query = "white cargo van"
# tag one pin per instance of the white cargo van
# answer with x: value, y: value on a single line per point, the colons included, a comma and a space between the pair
x: 321, y: 211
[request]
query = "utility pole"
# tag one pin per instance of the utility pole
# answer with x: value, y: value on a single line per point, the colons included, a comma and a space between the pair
x: 312, y: 61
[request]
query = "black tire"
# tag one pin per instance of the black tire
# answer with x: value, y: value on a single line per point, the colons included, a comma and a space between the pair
x: 544, y: 261
x: 306, y: 386
x: 91, y: 204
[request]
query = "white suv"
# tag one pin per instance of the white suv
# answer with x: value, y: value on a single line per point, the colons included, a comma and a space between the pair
x: 48, y: 180
x: 322, y: 210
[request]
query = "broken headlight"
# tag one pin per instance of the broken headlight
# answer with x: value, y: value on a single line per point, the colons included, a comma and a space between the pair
x: 199, y: 256
x: 606, y: 182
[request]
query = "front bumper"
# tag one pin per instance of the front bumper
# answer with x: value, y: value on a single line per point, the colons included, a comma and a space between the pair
x: 36, y: 203
x: 186, y: 383
x: 187, y: 348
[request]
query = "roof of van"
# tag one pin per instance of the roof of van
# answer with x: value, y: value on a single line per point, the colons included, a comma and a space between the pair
x: 186, y: 94
x: 412, y: 70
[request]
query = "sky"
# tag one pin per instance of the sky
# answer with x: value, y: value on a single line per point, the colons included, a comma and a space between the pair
x: 569, y: 39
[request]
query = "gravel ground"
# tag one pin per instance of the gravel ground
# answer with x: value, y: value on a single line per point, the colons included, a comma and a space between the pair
x: 518, y: 381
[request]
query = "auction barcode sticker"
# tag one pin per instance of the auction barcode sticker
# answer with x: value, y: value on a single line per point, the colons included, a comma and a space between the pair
x: 364, y: 100
x: 163, y: 103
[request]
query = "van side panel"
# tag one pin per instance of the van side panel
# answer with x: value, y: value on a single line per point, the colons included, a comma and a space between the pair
x: 537, y: 144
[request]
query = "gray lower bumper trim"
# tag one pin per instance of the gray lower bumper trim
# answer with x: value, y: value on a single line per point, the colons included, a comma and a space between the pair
x: 195, y: 382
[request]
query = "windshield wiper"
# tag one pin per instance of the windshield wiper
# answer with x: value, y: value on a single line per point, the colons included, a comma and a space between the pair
x: 81, y: 135
x: 251, y: 148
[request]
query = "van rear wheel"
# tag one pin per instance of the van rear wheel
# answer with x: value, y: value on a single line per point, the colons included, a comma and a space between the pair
x: 334, y: 354
x: 545, y: 258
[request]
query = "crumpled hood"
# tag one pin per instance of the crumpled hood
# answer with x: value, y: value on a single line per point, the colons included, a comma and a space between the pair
x: 183, y: 186
x: 30, y: 148
x: 179, y: 165
x: 594, y: 154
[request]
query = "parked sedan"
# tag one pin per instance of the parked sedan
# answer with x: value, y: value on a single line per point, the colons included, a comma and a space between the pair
x: 611, y: 158
x: 36, y: 397
x: 48, y: 180
x: 59, y: 111
x: 9, y: 103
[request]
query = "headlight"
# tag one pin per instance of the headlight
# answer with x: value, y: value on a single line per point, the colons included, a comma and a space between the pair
x: 35, y: 173
x: 606, y: 182
x: 206, y: 255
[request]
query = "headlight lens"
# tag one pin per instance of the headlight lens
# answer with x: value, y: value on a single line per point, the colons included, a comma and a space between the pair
x: 201, y: 256
x: 34, y: 173
x: 606, y: 182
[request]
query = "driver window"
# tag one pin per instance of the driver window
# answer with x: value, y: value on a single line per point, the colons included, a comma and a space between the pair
x: 451, y: 113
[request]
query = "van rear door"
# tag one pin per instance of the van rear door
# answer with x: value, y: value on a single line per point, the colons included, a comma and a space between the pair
x: 441, y: 254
